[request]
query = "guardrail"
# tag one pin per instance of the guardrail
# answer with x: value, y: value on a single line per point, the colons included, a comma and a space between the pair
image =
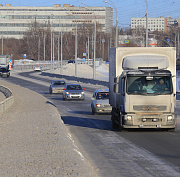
x: 5, y: 104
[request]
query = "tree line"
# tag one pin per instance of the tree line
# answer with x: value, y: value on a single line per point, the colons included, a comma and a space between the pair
x: 38, y: 43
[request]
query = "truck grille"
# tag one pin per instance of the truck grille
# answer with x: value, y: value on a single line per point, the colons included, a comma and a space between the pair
x: 149, y: 108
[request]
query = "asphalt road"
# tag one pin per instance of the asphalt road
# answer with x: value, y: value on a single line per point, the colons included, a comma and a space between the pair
x: 131, y: 153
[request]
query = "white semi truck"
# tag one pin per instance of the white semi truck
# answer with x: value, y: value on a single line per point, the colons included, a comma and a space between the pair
x: 142, y: 86
x: 4, y: 65
x: 4, y: 60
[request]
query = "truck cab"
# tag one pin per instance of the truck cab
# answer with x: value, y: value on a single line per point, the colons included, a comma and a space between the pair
x: 143, y: 91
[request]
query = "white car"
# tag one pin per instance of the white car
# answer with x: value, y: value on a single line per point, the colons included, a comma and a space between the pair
x: 100, y: 102
x: 57, y: 86
x: 37, y: 68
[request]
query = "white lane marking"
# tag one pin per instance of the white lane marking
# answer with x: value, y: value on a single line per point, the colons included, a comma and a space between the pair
x: 82, y: 157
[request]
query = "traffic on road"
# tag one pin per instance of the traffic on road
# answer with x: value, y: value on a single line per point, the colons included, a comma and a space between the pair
x: 97, y: 140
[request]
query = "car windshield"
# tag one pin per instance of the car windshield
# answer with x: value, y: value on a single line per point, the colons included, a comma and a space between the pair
x: 3, y: 69
x: 102, y: 95
x: 157, y: 85
x: 58, y: 83
x: 74, y: 87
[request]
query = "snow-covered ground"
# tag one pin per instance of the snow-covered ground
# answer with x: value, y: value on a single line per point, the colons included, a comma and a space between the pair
x: 85, y: 71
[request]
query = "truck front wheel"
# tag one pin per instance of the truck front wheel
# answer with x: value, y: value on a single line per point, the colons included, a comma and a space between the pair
x: 171, y: 130
x: 114, y: 122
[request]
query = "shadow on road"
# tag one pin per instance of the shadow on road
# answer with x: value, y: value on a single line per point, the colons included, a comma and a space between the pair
x: 87, y: 122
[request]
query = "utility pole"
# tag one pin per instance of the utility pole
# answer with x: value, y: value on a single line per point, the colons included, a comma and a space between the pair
x: 112, y: 4
x: 58, y: 52
x: 51, y: 51
x: 146, y: 23
x: 88, y: 49
x: 39, y: 48
x: 44, y: 48
x: 94, y: 68
x: 2, y: 45
x: 61, y: 52
x: 76, y: 53
x: 178, y: 44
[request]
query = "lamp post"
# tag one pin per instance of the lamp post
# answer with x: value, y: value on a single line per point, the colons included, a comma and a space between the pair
x: 2, y: 46
x: 94, y: 61
x: 112, y: 4
x: 76, y: 52
x: 146, y: 23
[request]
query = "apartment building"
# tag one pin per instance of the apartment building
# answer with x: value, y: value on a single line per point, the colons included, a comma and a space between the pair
x: 154, y: 24
x: 15, y: 21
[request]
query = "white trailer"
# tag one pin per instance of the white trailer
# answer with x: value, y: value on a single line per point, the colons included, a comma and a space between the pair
x: 4, y: 60
x: 142, y: 86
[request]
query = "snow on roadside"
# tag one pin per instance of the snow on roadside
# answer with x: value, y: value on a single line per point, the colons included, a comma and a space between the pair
x: 85, y: 71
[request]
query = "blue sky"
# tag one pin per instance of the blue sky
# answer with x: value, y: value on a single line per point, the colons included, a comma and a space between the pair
x: 126, y: 8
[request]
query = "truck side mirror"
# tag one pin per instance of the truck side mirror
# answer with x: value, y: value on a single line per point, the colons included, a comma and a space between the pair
x: 116, y: 88
x: 116, y: 80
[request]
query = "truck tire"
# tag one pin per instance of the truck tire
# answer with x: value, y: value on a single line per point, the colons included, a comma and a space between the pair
x: 114, y: 124
x: 171, y: 130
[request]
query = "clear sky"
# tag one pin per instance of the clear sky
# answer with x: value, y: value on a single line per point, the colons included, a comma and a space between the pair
x: 125, y: 8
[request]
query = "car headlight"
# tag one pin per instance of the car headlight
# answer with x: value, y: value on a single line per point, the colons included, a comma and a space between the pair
x: 98, y: 105
x: 170, y: 118
x: 67, y: 93
x: 82, y: 92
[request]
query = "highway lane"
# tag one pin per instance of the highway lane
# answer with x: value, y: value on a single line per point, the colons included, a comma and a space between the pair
x: 113, y: 152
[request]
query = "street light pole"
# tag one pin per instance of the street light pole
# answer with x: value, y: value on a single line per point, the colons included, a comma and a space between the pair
x: 2, y: 45
x: 94, y: 68
x: 146, y: 23
x: 94, y: 61
x: 61, y: 52
x: 116, y: 20
x: 76, y: 52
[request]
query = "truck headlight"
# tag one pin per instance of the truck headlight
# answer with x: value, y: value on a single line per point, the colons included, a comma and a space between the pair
x: 82, y: 93
x: 170, y: 118
x: 128, y: 118
x: 67, y: 93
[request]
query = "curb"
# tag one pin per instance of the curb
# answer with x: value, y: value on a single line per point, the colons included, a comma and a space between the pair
x: 5, y: 104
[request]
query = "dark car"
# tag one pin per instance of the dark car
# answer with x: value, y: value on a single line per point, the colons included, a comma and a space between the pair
x: 4, y: 72
x: 71, y: 61
x: 73, y: 91
x: 57, y: 86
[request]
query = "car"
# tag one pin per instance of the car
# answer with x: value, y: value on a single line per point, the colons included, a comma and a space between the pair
x: 4, y: 71
x: 100, y: 102
x: 57, y: 86
x: 37, y: 68
x: 71, y: 61
x: 73, y: 91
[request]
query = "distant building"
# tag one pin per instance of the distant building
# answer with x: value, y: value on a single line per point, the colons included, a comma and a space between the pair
x: 154, y: 24
x: 16, y: 20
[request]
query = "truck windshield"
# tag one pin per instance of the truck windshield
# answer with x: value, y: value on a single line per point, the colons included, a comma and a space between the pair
x: 157, y: 85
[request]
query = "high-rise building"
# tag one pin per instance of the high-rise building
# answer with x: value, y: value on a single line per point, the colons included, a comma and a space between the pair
x: 154, y: 24
x: 16, y: 20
